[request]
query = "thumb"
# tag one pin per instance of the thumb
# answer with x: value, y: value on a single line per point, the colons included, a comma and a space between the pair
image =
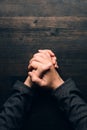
x: 35, y: 78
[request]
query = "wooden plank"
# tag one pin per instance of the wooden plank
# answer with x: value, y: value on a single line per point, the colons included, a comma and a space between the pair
x: 43, y: 8
x: 20, y: 37
x: 47, y: 22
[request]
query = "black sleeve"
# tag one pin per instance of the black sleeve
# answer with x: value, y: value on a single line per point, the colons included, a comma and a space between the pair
x: 12, y: 115
x: 72, y: 104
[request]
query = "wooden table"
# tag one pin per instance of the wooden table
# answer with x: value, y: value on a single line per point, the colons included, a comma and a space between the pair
x: 26, y: 26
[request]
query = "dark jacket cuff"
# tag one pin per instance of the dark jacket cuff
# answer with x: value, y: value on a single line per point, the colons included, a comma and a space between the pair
x: 22, y: 88
x: 65, y: 89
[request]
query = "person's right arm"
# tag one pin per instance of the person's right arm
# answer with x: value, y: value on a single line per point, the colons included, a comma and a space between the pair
x: 15, y: 108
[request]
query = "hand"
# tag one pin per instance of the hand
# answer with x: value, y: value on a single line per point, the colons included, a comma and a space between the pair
x: 44, y: 72
x: 28, y: 81
x: 42, y: 58
x: 49, y: 53
x: 52, y: 55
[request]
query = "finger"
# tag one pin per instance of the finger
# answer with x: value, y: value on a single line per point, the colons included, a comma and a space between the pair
x: 35, y: 78
x: 42, y: 58
x: 33, y: 59
x: 54, y: 60
x: 33, y: 65
x: 39, y: 67
x: 42, y: 55
x: 49, y: 51
x: 38, y: 59
x: 53, y: 57
x: 55, y: 65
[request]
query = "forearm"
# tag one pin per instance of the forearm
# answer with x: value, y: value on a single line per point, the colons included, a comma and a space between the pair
x: 16, y: 107
x: 71, y: 102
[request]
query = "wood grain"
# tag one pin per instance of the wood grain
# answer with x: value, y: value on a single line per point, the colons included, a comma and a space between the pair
x: 43, y: 8
x: 21, y: 37
x: 29, y: 25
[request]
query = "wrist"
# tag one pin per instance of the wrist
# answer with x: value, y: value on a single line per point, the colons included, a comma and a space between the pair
x: 58, y: 82
x: 28, y: 82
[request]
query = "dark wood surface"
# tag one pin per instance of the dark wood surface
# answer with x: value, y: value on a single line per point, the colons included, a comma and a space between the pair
x: 21, y: 37
x: 43, y: 8
x: 26, y: 26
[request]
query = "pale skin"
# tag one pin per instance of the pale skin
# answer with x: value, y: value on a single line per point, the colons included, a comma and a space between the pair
x: 28, y: 81
x: 42, y: 70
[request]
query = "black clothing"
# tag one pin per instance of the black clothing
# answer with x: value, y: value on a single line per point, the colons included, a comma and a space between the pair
x: 15, y: 108
x: 19, y: 104
x: 71, y: 102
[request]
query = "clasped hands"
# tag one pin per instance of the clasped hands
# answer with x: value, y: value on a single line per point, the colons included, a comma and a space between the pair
x: 42, y: 70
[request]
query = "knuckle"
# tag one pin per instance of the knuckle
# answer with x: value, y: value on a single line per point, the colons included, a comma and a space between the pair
x: 43, y: 67
x: 50, y: 64
x: 34, y: 55
x: 34, y: 79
